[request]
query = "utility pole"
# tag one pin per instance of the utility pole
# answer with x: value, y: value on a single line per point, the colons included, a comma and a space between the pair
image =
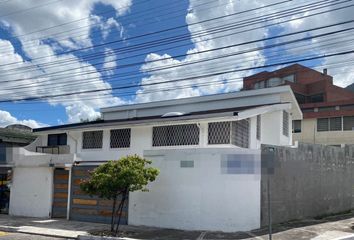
x: 269, y: 161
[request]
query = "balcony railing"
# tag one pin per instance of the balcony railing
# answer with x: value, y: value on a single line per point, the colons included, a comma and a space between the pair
x: 63, y: 149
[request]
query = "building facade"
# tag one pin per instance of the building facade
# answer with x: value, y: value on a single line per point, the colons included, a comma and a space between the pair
x: 207, y: 149
x: 10, y: 137
x: 328, y: 110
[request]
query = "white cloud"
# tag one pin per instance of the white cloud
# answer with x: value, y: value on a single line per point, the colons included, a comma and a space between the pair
x: 7, y: 119
x: 203, y: 43
x: 80, y: 106
x: 109, y: 61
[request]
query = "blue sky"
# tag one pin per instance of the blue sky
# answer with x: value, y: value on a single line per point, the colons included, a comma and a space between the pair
x: 121, y: 21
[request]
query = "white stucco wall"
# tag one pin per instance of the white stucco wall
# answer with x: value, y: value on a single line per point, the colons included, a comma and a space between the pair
x: 31, y: 192
x: 199, y: 198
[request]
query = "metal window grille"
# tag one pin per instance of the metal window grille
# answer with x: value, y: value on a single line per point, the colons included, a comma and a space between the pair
x: 348, y: 123
x: 285, y: 123
x: 175, y: 135
x: 258, y: 133
x: 240, y: 133
x: 92, y: 139
x: 120, y: 138
x: 219, y: 133
x: 322, y: 124
x: 335, y: 124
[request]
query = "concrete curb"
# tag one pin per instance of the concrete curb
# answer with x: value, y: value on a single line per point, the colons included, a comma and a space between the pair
x: 85, y: 237
x: 15, y: 230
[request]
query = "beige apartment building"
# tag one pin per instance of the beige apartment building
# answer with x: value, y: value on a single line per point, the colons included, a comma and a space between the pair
x: 328, y: 110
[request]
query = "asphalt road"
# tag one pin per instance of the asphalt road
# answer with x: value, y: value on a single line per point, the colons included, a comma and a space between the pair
x: 21, y: 236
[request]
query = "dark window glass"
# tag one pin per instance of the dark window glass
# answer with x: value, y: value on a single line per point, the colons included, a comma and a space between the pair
x: 57, y: 139
x: 175, y: 135
x: 240, y: 133
x: 120, y: 138
x: 92, y: 139
x: 322, y: 124
x: 316, y: 98
x: 348, y: 123
x: 297, y: 126
x: 335, y: 124
x: 219, y: 133
x: 300, y: 98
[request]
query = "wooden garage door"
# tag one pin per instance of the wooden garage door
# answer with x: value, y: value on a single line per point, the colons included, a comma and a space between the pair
x: 60, y: 198
x: 87, y: 208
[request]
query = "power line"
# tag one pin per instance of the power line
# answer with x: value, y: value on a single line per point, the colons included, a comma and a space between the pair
x: 182, y: 79
x: 219, y: 30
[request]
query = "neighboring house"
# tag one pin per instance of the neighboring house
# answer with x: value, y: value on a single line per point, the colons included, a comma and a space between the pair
x: 328, y: 110
x: 10, y: 137
x: 207, y: 149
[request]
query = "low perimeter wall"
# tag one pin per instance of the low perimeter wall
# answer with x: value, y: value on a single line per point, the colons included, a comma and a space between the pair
x: 308, y: 181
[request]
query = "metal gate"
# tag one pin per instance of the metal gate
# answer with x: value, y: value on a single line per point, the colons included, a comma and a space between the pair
x: 86, y: 208
x: 60, y: 197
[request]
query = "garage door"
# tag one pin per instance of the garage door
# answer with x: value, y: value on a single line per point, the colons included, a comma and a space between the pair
x: 87, y: 208
x: 60, y: 197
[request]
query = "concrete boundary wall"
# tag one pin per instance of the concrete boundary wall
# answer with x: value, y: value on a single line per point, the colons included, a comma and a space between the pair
x: 308, y: 181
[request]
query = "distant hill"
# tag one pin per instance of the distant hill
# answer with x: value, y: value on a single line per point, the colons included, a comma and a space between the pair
x: 350, y: 87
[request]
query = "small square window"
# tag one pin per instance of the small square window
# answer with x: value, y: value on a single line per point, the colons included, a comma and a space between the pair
x: 92, y: 139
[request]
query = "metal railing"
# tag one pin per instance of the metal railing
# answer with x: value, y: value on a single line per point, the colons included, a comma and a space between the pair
x: 64, y: 149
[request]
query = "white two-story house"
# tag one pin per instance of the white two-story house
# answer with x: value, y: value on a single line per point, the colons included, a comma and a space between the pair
x: 207, y: 149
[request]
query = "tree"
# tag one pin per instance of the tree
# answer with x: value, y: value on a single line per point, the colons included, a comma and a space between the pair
x: 116, y: 179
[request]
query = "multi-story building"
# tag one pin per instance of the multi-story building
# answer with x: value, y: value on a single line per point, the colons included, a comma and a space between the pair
x: 328, y: 110
x: 207, y: 149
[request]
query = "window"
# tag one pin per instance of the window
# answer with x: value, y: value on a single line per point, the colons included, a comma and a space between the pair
x: 316, y: 98
x: 289, y: 78
x: 297, y: 126
x: 57, y: 139
x: 322, y: 124
x: 348, y: 123
x: 273, y: 82
x: 236, y: 133
x: 120, y: 138
x: 92, y: 139
x: 240, y: 133
x: 175, y: 135
x: 258, y: 133
x: 285, y: 123
x: 335, y: 124
x: 300, y: 98
x: 219, y: 133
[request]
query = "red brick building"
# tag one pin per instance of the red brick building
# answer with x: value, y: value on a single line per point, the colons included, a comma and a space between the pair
x: 328, y: 110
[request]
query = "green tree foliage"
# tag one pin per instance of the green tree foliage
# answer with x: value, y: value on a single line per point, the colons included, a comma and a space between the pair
x: 115, y: 179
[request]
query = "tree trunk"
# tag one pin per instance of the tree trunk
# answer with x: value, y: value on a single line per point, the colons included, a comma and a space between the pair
x: 120, y: 209
x: 113, y: 212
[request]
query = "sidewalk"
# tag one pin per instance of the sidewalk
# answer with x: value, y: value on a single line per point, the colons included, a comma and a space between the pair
x: 336, y: 227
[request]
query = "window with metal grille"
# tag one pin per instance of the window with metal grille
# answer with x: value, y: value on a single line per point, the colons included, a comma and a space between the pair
x: 322, y: 124
x: 175, y: 135
x: 285, y: 123
x: 297, y: 126
x: 240, y: 133
x: 120, y: 138
x: 219, y: 133
x: 348, y: 123
x: 258, y: 133
x: 335, y: 124
x: 92, y: 139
